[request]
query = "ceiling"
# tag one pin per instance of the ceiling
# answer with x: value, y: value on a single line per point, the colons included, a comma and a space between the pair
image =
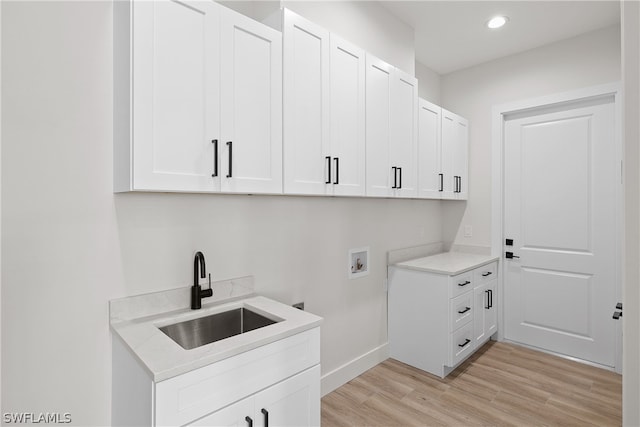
x: 452, y: 35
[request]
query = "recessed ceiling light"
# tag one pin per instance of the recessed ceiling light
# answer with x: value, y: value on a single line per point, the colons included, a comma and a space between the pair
x: 497, y: 22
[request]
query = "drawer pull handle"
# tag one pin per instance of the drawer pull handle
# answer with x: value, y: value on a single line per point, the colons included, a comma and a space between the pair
x: 467, y: 341
x: 464, y: 284
x: 215, y: 158
x: 230, y: 145
x: 249, y: 421
x: 488, y: 273
x: 328, y: 159
x: 465, y: 310
x: 266, y: 417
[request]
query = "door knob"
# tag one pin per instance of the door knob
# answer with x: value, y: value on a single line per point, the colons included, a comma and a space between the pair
x: 510, y: 255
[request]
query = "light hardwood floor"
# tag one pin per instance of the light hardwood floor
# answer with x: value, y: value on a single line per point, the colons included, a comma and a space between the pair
x: 501, y: 384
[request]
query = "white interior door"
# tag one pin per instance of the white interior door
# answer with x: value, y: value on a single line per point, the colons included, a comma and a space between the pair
x: 561, y: 170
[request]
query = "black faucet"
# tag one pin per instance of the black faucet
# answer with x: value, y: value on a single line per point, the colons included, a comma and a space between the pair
x: 198, y: 293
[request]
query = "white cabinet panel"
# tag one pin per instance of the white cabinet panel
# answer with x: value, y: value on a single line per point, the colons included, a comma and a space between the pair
x: 174, y: 85
x: 455, y: 137
x: 486, y: 315
x: 404, y: 133
x: 347, y: 118
x: 251, y: 105
x: 437, y: 320
x: 379, y: 83
x: 293, y: 402
x: 193, y: 83
x: 429, y: 150
x: 306, y: 105
x: 232, y: 416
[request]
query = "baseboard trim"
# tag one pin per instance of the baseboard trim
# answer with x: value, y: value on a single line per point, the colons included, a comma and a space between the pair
x: 345, y: 373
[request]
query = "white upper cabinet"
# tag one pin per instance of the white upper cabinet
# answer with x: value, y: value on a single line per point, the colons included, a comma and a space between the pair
x: 455, y: 137
x: 430, y: 178
x: 347, y: 118
x: 187, y: 81
x: 306, y: 106
x: 166, y: 109
x: 391, y: 130
x: 379, y: 82
x: 404, y: 134
x: 251, y: 105
x: 324, y: 93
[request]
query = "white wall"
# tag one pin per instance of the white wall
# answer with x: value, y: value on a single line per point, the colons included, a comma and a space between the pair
x: 630, y: 14
x: 69, y: 244
x: 365, y: 24
x: 429, y: 83
x: 583, y: 61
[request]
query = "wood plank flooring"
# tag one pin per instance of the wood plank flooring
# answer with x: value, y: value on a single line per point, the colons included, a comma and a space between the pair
x: 501, y: 384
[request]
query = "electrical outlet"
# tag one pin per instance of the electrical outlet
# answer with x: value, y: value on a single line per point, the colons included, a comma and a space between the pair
x: 468, y: 231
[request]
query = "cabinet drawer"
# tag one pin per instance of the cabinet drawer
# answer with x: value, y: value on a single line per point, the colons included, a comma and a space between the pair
x: 461, y: 283
x: 461, y: 310
x: 486, y: 273
x: 461, y: 344
x: 182, y: 399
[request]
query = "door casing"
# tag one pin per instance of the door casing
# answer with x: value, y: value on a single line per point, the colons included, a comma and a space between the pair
x: 497, y: 176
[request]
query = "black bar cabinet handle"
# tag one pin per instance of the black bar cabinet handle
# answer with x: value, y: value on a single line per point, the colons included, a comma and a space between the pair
x: 441, y: 182
x: 215, y: 157
x: 337, y: 160
x: 488, y: 306
x: 328, y: 159
x: 464, y: 311
x: 466, y: 341
x: 230, y: 145
x: 490, y: 298
x: 459, y: 184
x: 464, y: 284
x: 400, y: 170
x: 395, y: 177
x: 266, y: 417
x: 249, y: 421
x: 488, y: 273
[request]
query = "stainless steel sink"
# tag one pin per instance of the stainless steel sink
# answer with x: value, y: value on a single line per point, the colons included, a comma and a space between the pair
x: 204, y: 330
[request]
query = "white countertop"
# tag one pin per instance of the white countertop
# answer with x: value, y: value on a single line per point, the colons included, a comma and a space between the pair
x: 449, y: 263
x: 164, y: 358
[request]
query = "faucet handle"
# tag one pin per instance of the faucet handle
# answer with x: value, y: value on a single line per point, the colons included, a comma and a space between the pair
x: 209, y: 280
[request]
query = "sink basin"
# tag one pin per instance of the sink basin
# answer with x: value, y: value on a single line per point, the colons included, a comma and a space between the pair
x: 205, y: 330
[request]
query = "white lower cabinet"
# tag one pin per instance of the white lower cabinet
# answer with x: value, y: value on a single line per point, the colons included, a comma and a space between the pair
x: 276, y: 384
x: 436, y: 320
x: 292, y: 402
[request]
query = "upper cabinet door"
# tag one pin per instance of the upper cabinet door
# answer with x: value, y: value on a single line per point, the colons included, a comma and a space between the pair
x: 379, y: 84
x: 461, y: 158
x: 449, y: 146
x: 429, y: 143
x: 455, y: 137
x: 347, y: 118
x: 175, y: 88
x: 306, y: 106
x: 404, y: 134
x: 251, y: 105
